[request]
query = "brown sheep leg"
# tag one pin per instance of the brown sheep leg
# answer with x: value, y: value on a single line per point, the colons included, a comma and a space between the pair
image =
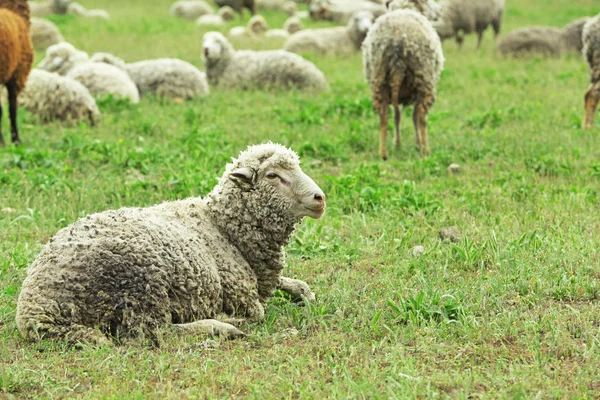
x: 420, y: 122
x: 460, y: 39
x: 591, y: 104
x: 395, y: 85
x: 12, y: 110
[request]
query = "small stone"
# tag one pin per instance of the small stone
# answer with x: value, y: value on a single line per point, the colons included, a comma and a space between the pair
x: 454, y: 168
x: 208, y: 344
x: 417, y: 251
x: 451, y: 233
x: 290, y: 332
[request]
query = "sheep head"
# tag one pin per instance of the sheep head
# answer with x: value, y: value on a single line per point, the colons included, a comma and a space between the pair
x: 257, y: 24
x: 215, y: 47
x: 359, y: 25
x: 61, y: 58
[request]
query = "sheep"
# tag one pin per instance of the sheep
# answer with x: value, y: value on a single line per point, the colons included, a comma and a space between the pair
x: 340, y: 11
x: 287, y: 6
x: 50, y: 97
x: 461, y: 17
x: 238, y: 5
x: 134, y: 272
x: 44, y: 34
x: 80, y: 10
x: 291, y: 26
x: 40, y: 10
x: 101, y: 79
x: 224, y: 14
x: 168, y: 77
x: 333, y: 41
x: 403, y: 61
x: 16, y: 57
x: 591, y: 51
x: 230, y: 69
x: 256, y: 25
x: 191, y: 9
x: 543, y: 40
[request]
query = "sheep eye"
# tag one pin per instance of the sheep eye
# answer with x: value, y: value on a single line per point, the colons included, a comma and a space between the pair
x: 272, y: 175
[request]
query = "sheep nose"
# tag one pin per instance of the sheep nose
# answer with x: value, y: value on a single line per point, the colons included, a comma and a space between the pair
x: 320, y: 197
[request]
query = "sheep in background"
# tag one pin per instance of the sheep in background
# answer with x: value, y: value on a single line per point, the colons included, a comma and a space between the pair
x: 333, y: 41
x: 591, y: 51
x: 291, y: 26
x: 256, y: 26
x: 543, y: 40
x: 340, y: 11
x: 183, y: 264
x: 43, y: 9
x: 403, y: 61
x: 287, y: 6
x: 224, y: 14
x: 44, y: 34
x: 80, y: 10
x: 462, y: 17
x: 16, y: 57
x: 238, y: 5
x: 191, y: 9
x: 230, y: 69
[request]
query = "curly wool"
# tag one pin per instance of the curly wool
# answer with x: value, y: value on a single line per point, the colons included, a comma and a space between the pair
x: 591, y: 48
x: 50, y: 97
x: 131, y: 271
x: 168, y: 77
x: 339, y: 41
x: 468, y: 16
x: 191, y: 9
x: 44, y: 34
x: 261, y: 69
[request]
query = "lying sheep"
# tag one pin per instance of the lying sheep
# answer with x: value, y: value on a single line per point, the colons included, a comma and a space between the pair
x: 287, y: 6
x: 50, y: 97
x: 224, y: 14
x: 101, y: 79
x: 191, y: 9
x: 80, y: 10
x: 462, y: 17
x: 591, y: 51
x: 291, y: 26
x: 238, y: 5
x: 44, y: 34
x: 256, y: 26
x: 403, y: 61
x: 340, y: 11
x: 136, y: 271
x: 230, y: 69
x: 333, y: 41
x: 45, y: 8
x: 543, y: 40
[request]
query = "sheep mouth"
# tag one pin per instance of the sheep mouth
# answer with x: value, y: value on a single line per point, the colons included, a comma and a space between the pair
x: 316, y: 210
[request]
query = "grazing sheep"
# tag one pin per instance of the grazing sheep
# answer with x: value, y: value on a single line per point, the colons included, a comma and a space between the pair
x: 50, y: 97
x: 403, y: 60
x: 16, y: 57
x: 101, y: 79
x: 191, y: 9
x: 80, y: 10
x: 462, y: 17
x: 591, y: 51
x: 291, y: 26
x: 238, y: 5
x: 134, y: 271
x: 543, y: 40
x: 287, y: 6
x: 224, y: 14
x: 44, y: 34
x: 333, y: 41
x: 340, y: 11
x: 43, y: 9
x: 168, y: 77
x: 256, y: 25
x: 230, y: 69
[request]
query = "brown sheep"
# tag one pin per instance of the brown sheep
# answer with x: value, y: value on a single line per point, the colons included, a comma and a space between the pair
x: 16, y: 56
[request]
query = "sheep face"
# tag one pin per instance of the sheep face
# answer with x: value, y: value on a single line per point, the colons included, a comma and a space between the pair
x: 361, y: 22
x: 61, y: 57
x: 257, y: 24
x: 214, y: 46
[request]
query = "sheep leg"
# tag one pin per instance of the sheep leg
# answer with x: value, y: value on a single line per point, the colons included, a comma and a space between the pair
x: 12, y: 110
x: 396, y: 84
x: 299, y: 290
x: 460, y: 39
x: 73, y: 334
x: 591, y: 104
x: 479, y: 39
x: 210, y: 326
x: 420, y: 122
x: 1, y: 137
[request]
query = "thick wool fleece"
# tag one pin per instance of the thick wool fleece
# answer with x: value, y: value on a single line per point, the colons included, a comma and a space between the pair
x: 591, y: 48
x: 16, y: 56
x: 336, y: 41
x: 403, y: 41
x: 132, y: 271
x: 191, y: 9
x: 273, y: 69
x: 103, y: 79
x: 44, y: 34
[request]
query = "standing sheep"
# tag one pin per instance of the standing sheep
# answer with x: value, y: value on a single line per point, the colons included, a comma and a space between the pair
x: 340, y: 11
x: 591, y: 51
x: 230, y: 69
x: 16, y: 57
x: 134, y: 271
x: 238, y: 5
x: 461, y: 17
x: 403, y: 60
x: 333, y: 41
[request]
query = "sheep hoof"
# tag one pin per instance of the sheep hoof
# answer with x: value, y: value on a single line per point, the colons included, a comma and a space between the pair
x: 299, y: 290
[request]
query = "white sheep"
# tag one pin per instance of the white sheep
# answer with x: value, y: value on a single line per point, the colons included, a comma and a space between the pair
x: 135, y: 272
x: 287, y: 6
x: 101, y: 79
x: 80, y: 10
x: 403, y: 61
x: 191, y: 9
x: 44, y: 34
x: 43, y: 9
x: 291, y: 26
x: 339, y: 41
x: 230, y: 69
x: 591, y: 52
x: 224, y: 14
x: 256, y: 26
x: 340, y: 11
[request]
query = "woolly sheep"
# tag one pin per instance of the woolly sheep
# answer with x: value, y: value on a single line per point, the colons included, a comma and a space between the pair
x: 43, y: 9
x: 340, y: 11
x: 230, y: 69
x: 291, y: 26
x: 403, y: 61
x: 133, y: 272
x: 50, y: 97
x: 287, y: 6
x: 224, y: 14
x: 591, y: 51
x: 16, y: 57
x: 191, y: 9
x: 101, y: 79
x: 333, y: 41
x: 543, y: 40
x: 256, y: 25
x: 44, y: 34
x: 108, y: 58
x: 238, y: 5
x: 80, y: 10
x: 461, y: 17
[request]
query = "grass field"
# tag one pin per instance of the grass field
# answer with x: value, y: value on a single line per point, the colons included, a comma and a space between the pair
x: 510, y: 311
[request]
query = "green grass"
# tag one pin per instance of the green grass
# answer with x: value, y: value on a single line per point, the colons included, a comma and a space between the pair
x: 509, y: 311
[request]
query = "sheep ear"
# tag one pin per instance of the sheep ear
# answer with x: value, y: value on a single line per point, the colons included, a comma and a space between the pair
x: 242, y: 175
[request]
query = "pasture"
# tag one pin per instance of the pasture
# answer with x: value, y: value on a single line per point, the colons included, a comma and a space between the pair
x: 511, y: 310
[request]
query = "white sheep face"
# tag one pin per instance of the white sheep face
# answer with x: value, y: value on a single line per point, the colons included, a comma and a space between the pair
x: 362, y: 21
x: 61, y: 57
x: 213, y: 45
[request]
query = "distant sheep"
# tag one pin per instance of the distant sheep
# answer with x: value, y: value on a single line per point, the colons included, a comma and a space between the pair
x: 230, y: 69
x: 191, y: 9
x: 291, y: 26
x: 340, y: 11
x: 44, y: 34
x: 80, y: 10
x: 333, y: 41
x: 591, y: 52
x: 42, y: 9
x: 238, y: 5
x: 287, y: 6
x: 224, y: 14
x: 256, y: 26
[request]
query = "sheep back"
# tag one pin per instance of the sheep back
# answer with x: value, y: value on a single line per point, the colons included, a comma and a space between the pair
x: 468, y: 16
x: 333, y: 41
x: 16, y: 56
x: 591, y: 47
x: 103, y: 79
